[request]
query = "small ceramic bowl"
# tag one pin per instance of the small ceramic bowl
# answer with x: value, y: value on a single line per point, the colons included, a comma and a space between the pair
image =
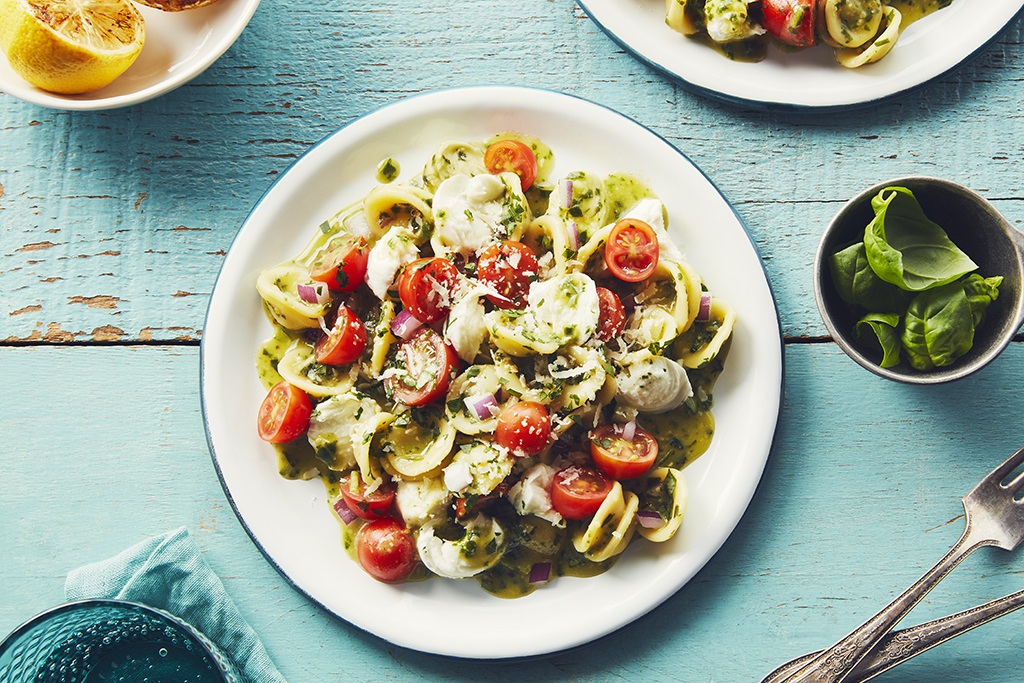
x: 975, y: 226
x: 111, y: 640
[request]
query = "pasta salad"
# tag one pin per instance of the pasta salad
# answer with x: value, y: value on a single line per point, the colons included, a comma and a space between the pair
x: 497, y: 374
x: 858, y: 31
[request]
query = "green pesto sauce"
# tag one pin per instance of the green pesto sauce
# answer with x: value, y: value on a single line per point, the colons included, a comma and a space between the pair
x: 685, y: 434
x: 388, y: 170
x: 622, y: 191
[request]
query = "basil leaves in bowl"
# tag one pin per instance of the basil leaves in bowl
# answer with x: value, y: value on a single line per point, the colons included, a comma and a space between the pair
x: 919, y: 280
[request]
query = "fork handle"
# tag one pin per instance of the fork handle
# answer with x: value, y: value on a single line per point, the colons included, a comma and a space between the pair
x: 899, y: 646
x: 837, y: 662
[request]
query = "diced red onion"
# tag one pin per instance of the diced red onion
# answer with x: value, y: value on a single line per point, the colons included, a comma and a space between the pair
x: 629, y: 430
x: 404, y: 324
x: 566, y: 194
x: 313, y: 292
x: 704, y: 313
x: 574, y: 235
x: 540, y: 572
x: 483, y: 407
x: 343, y: 511
x: 649, y: 519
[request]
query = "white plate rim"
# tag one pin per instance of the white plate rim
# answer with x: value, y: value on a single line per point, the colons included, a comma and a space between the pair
x: 462, y: 605
x: 929, y: 50
x: 239, y: 13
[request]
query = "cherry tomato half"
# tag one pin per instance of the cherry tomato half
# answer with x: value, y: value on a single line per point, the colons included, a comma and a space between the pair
x: 523, y: 428
x: 284, y: 413
x: 342, y: 266
x: 578, y: 491
x: 611, y: 318
x: 385, y: 550
x: 373, y: 506
x: 508, y: 268
x: 631, y: 252
x: 791, y: 21
x: 346, y: 340
x: 514, y: 156
x: 426, y: 366
x: 426, y: 286
x: 621, y: 459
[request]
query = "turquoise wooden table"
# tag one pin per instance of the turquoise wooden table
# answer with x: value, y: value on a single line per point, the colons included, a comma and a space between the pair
x: 113, y: 225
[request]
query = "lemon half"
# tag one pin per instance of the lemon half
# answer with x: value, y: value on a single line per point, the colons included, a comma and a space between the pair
x: 70, y: 46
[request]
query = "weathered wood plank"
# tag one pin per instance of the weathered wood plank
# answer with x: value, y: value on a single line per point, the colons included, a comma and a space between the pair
x: 113, y: 224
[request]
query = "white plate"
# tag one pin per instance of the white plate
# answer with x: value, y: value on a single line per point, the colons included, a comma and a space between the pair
x: 179, y: 46
x: 928, y: 49
x: 290, y: 521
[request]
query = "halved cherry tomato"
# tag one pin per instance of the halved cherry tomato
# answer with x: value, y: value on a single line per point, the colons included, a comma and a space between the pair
x: 426, y: 286
x: 514, y: 156
x: 368, y: 506
x: 631, y: 252
x: 578, y: 491
x: 523, y: 428
x: 611, y: 318
x: 284, y: 413
x: 791, y: 21
x: 342, y: 266
x: 426, y: 365
x: 385, y: 550
x: 346, y: 340
x: 508, y: 268
x: 621, y: 459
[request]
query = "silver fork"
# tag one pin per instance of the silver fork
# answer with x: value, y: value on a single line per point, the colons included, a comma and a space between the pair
x: 899, y: 646
x: 994, y: 517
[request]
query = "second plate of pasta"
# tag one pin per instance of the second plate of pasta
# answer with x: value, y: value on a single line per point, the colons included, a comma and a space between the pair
x: 811, y: 78
x: 290, y: 519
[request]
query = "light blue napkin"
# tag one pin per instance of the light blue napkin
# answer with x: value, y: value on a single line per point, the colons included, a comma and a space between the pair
x: 168, y: 572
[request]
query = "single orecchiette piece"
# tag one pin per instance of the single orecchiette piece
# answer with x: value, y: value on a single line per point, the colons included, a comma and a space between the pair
x: 480, y: 547
x: 852, y: 23
x: 611, y: 528
x: 879, y: 47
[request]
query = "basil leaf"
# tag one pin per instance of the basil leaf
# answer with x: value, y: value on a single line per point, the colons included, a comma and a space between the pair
x: 980, y: 293
x: 939, y: 327
x: 880, y: 331
x: 907, y: 249
x: 858, y: 284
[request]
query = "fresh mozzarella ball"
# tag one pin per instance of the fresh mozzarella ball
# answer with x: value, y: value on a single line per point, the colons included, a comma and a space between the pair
x: 653, y: 385
x: 650, y: 211
x: 568, y: 305
x: 467, y: 211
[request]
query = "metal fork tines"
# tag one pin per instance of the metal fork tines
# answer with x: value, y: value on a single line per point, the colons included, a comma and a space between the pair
x: 994, y: 517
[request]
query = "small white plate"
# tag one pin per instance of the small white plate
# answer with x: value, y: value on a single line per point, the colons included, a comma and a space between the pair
x: 929, y: 49
x: 179, y: 46
x: 290, y: 521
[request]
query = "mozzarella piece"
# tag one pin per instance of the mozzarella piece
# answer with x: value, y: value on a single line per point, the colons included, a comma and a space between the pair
x: 467, y: 211
x: 729, y: 20
x: 531, y: 495
x: 395, y: 249
x: 653, y: 384
x: 567, y: 305
x: 466, y: 328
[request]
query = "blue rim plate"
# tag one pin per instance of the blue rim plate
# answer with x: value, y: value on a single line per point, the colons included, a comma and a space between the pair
x: 928, y: 49
x: 290, y: 522
x: 179, y: 46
